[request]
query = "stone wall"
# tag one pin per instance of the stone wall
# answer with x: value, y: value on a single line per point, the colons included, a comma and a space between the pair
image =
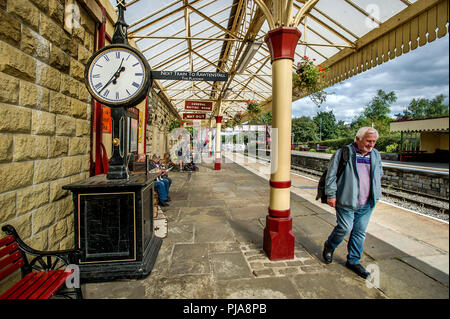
x: 45, y: 118
x: 159, y: 118
x: 429, y: 183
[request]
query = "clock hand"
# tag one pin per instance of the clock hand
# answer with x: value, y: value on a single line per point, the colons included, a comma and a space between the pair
x: 114, y: 77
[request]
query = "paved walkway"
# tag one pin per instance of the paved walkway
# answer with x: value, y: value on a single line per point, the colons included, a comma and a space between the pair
x: 214, y: 248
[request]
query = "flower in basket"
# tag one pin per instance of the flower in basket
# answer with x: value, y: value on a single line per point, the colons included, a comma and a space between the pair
x: 237, y: 119
x: 308, y: 78
x: 253, y: 107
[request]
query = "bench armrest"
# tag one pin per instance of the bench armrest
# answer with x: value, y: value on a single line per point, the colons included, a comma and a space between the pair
x: 43, y: 260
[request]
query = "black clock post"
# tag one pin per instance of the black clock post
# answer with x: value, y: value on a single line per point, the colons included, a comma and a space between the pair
x: 113, y: 213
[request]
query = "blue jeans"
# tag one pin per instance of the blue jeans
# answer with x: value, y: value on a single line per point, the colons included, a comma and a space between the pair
x: 355, y: 224
x: 162, y: 188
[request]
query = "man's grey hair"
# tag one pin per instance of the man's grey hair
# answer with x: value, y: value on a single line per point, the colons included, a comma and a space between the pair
x: 365, y: 130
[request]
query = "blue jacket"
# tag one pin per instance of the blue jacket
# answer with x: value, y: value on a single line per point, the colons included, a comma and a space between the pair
x: 346, y: 188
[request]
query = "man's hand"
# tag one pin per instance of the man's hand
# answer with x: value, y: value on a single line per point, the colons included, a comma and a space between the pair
x: 331, y: 202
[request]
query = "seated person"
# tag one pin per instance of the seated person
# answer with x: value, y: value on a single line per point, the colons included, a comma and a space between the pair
x: 161, y: 183
x: 167, y: 161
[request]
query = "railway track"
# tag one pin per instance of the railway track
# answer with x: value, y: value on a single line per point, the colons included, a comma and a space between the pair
x: 401, y: 197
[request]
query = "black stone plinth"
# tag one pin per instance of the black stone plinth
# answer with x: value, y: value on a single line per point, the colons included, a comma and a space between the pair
x: 114, y: 227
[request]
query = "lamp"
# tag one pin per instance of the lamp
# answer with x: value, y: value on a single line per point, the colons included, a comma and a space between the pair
x: 247, y: 56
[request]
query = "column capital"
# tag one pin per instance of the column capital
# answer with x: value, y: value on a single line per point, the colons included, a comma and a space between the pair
x: 282, y: 42
x: 219, y: 118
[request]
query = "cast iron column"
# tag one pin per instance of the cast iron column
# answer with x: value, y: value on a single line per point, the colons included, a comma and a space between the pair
x: 278, y: 237
x: 217, y: 164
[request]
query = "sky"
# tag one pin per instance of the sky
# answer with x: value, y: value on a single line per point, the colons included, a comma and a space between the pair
x: 422, y: 73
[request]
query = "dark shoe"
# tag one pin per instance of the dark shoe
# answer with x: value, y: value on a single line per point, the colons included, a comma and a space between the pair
x: 168, y: 199
x: 358, y: 269
x: 327, y: 253
x: 162, y: 203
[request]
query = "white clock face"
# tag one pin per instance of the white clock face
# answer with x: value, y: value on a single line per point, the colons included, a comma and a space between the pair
x: 116, y: 76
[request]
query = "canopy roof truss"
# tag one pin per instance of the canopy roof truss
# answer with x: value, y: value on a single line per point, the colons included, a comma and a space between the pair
x: 348, y: 36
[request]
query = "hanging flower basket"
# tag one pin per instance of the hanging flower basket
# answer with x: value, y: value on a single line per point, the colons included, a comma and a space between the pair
x: 237, y: 119
x: 308, y: 78
x: 253, y: 107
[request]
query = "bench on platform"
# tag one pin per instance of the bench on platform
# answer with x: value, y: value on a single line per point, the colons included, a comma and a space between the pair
x: 42, y: 277
x: 321, y: 148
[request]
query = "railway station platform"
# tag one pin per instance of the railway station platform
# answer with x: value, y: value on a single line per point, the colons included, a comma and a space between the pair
x: 213, y: 249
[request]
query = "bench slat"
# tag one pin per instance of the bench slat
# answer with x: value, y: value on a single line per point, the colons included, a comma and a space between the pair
x: 21, y: 286
x: 11, y: 268
x: 52, y: 285
x: 44, y: 276
x: 8, y: 250
x: 10, y: 259
x: 6, y: 240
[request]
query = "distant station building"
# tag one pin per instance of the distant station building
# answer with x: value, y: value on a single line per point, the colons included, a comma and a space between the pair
x: 423, y: 140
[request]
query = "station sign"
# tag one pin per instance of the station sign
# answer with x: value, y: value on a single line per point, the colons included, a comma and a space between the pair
x: 190, y: 76
x: 198, y: 105
x: 194, y: 116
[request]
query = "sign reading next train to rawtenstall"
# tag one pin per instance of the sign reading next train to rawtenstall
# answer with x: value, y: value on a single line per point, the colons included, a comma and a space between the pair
x: 194, y: 116
x: 198, y: 106
x: 189, y: 76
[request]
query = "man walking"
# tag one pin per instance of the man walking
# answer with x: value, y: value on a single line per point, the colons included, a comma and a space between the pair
x: 354, y: 196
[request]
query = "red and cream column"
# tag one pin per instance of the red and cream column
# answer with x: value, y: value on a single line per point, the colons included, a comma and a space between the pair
x: 218, y: 154
x: 278, y: 237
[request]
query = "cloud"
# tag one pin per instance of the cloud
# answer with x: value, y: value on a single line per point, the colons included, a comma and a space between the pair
x: 422, y: 73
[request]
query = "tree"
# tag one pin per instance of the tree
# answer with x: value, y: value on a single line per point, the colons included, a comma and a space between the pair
x: 326, y: 123
x: 376, y: 113
x: 305, y: 129
x: 343, y: 130
x: 424, y: 108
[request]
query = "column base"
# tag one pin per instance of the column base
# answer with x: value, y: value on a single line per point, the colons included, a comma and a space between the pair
x: 279, y: 241
x: 217, y: 165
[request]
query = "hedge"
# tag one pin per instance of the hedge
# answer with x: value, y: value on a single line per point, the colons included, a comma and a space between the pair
x: 382, y: 142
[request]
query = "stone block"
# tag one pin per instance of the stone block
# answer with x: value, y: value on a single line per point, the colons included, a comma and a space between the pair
x: 59, y: 59
x: 33, y: 96
x: 22, y: 224
x: 83, y: 54
x: 25, y: 11
x: 63, y: 208
x: 39, y: 241
x: 43, y: 217
x: 79, y: 109
x: 82, y: 128
x: 50, y: 30
x: 42, y: 123
x: 41, y: 4
x: 56, y: 191
x: 34, y: 44
x: 78, y: 146
x: 16, y: 63
x: 7, y: 206
x: 9, y: 89
x: 32, y: 197
x: 9, y: 29
x: 65, y: 125
x: 16, y: 175
x: 56, y: 10
x: 47, y: 170
x: 60, y: 103
x: 84, y: 94
x: 30, y: 147
x: 14, y: 119
x: 71, y: 166
x: 56, y: 233
x: 47, y: 76
x: 6, y: 143
x: 58, y: 146
x: 76, y: 70
x: 69, y: 86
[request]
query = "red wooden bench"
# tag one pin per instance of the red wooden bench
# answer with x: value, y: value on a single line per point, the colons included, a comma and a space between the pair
x: 42, y: 277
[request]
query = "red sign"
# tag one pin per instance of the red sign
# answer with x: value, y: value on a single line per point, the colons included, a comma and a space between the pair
x: 194, y: 116
x: 198, y: 106
x: 106, y: 120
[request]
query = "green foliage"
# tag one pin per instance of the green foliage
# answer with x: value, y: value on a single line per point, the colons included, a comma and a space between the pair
x: 328, y: 126
x: 305, y: 129
x: 392, y: 148
x: 382, y: 143
x: 425, y: 108
x: 253, y: 107
x: 174, y: 124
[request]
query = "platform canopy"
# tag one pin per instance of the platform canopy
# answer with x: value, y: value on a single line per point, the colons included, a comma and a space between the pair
x: 349, y: 36
x: 438, y: 124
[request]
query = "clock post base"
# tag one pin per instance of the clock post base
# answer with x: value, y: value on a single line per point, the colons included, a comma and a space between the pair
x: 117, y: 172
